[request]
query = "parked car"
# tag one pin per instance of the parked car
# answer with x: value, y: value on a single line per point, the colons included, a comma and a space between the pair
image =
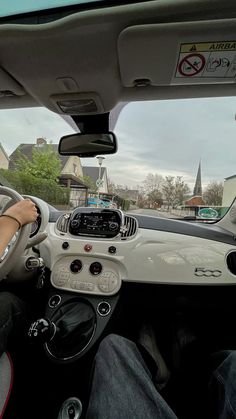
x: 94, y: 202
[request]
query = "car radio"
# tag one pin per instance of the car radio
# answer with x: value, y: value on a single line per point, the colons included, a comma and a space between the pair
x: 95, y: 223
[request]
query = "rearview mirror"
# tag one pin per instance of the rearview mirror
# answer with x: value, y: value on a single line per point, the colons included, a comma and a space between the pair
x: 88, y: 145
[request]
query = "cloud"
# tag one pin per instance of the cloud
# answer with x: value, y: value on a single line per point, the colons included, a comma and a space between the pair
x: 167, y: 137
x: 172, y: 136
x: 25, y: 125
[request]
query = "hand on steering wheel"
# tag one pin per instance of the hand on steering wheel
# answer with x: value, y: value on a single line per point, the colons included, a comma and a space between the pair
x: 20, y: 214
x: 24, y: 212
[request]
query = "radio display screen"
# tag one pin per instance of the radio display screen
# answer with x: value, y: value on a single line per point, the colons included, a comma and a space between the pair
x: 103, y: 224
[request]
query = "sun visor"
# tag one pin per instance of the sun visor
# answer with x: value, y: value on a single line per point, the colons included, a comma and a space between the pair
x: 178, y: 53
x: 8, y: 86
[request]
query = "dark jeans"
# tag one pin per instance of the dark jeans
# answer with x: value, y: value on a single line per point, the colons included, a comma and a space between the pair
x: 122, y: 387
x: 12, y: 319
x: 222, y: 386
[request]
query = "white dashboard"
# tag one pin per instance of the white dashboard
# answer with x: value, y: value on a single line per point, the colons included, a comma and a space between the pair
x: 99, y: 265
x: 137, y: 249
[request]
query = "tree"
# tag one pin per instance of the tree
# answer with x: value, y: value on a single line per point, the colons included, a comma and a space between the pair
x: 45, y: 163
x: 213, y: 193
x: 111, y: 186
x: 88, y: 181
x: 181, y: 190
x: 39, y: 176
x: 153, y: 182
x: 142, y: 201
x: 46, y: 189
x: 168, y: 189
x: 154, y: 198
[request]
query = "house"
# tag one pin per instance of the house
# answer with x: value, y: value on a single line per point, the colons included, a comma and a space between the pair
x: 93, y: 173
x: 71, y: 170
x: 4, y: 159
x: 229, y: 191
x: 195, y: 201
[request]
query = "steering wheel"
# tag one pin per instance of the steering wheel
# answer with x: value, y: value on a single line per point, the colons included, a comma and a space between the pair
x: 14, y: 250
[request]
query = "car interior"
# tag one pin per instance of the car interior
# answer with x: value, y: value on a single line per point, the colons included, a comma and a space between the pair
x: 92, y: 272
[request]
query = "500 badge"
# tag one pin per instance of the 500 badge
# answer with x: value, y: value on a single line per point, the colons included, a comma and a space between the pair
x: 207, y: 272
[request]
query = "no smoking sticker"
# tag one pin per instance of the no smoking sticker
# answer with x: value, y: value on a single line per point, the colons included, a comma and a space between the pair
x: 206, y: 60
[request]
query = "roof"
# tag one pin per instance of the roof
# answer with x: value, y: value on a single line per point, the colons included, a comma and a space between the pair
x: 93, y: 172
x: 230, y: 177
x: 27, y: 149
x: 195, y: 200
x: 75, y: 181
x: 197, y: 191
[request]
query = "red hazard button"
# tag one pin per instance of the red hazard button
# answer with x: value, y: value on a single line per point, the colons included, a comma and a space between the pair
x: 88, y: 247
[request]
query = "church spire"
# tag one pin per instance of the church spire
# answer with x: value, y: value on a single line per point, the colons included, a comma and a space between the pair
x: 198, y: 184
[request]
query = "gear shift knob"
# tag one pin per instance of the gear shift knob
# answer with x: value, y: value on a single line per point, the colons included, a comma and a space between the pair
x: 42, y: 330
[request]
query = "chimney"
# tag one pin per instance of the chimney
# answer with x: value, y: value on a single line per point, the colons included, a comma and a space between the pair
x: 40, y: 142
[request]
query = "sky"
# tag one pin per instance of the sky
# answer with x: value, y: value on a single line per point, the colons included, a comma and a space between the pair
x: 15, y: 6
x: 161, y: 137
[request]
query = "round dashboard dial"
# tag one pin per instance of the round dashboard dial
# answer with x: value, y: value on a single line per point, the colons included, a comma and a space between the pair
x: 95, y: 268
x: 76, y: 266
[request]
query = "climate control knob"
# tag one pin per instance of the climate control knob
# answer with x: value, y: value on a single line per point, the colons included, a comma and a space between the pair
x: 95, y: 268
x: 76, y: 266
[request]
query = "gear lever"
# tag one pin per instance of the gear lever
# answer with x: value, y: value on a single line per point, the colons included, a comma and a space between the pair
x: 42, y: 330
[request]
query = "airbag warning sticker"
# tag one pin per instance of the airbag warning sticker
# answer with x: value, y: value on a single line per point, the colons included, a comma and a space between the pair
x: 207, y: 60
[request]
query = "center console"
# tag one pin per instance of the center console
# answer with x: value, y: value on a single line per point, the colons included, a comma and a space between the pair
x: 86, y: 277
x: 86, y: 274
x: 96, y: 223
x: 89, y: 260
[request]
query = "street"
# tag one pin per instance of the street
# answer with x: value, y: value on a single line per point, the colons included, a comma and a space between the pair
x: 152, y: 213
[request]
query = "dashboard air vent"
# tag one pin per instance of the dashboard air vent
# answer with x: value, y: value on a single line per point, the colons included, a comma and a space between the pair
x: 130, y: 227
x: 231, y: 262
x: 63, y: 223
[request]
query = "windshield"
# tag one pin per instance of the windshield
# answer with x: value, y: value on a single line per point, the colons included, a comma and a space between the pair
x: 175, y: 158
x: 15, y: 7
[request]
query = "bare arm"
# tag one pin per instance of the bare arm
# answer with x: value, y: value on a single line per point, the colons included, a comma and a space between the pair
x: 24, y: 212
